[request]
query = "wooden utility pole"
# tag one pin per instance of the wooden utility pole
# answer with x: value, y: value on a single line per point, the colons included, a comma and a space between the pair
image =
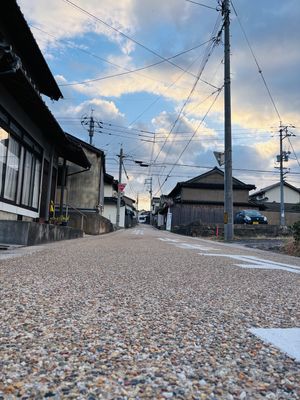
x: 91, y: 127
x: 121, y: 156
x: 281, y: 158
x: 228, y: 195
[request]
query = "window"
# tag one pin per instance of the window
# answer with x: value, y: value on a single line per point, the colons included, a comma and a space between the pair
x: 3, y: 155
x: 20, y: 167
x: 12, y: 169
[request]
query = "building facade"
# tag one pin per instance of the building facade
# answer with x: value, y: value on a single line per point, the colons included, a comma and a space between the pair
x: 31, y: 140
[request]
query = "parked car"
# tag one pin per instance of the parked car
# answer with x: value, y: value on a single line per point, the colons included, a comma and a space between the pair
x: 250, y: 217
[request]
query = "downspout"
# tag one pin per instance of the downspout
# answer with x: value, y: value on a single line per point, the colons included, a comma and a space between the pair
x: 101, y: 186
x: 48, y: 197
x: 62, y: 188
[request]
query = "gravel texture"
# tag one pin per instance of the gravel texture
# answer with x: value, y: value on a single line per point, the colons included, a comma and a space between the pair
x: 127, y: 316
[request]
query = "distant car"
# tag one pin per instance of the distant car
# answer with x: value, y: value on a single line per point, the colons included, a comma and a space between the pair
x: 142, y: 219
x: 250, y: 217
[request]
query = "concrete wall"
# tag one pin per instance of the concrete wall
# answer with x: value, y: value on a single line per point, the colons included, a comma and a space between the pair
x: 109, y: 191
x: 84, y: 188
x: 93, y: 224
x: 32, y: 233
x: 8, y: 216
x: 274, y: 217
x: 110, y: 212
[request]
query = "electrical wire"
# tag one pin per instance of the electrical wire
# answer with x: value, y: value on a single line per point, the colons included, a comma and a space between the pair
x: 257, y: 64
x: 124, y: 35
x: 216, y: 33
x: 186, y: 146
x: 128, y: 71
x: 294, y: 152
x: 201, y: 4
x: 164, y: 93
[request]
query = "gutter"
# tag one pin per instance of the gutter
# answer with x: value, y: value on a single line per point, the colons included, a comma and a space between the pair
x: 79, y: 172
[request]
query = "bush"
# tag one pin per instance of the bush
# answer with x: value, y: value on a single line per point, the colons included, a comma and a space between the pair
x: 296, y: 231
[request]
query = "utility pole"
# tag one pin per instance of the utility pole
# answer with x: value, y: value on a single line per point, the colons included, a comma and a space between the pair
x: 148, y: 181
x: 121, y: 156
x: 283, y: 156
x: 89, y: 123
x: 228, y: 195
x: 91, y: 127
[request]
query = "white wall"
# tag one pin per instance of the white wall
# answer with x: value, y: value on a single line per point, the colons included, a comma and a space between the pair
x: 110, y: 212
x: 290, y: 196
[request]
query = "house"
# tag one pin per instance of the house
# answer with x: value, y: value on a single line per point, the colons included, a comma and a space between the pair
x: 269, y: 200
x: 128, y: 214
x: 201, y: 199
x: 110, y: 200
x: 31, y: 140
x: 81, y: 190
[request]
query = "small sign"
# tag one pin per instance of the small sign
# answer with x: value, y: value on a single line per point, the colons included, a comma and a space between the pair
x: 220, y: 157
x: 121, y: 187
x: 225, y: 218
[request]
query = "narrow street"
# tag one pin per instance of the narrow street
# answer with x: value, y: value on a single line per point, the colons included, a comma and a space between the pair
x: 147, y: 314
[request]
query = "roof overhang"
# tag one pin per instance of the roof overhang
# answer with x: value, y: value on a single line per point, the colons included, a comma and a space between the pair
x: 22, y: 90
x: 25, y: 47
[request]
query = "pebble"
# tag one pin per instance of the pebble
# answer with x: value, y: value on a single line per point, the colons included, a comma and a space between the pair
x: 82, y: 320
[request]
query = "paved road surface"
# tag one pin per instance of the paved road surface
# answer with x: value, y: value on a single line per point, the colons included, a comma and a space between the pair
x: 145, y: 314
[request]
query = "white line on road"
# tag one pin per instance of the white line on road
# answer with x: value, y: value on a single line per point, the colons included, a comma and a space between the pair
x: 183, y: 245
x: 250, y: 261
x: 286, y: 339
x: 168, y: 240
x: 137, y: 232
x: 258, y: 263
x: 193, y: 246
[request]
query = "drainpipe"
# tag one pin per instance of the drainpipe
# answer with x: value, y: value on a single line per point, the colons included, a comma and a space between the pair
x: 48, y: 197
x: 62, y: 188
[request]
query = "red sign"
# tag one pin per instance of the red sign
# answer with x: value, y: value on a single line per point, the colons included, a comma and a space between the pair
x: 121, y: 187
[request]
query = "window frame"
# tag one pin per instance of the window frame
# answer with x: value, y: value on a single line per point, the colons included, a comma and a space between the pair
x: 8, y: 123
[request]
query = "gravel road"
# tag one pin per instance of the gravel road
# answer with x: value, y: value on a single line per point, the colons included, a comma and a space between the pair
x: 145, y: 314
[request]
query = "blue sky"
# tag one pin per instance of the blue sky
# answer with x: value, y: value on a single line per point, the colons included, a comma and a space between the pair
x: 79, y: 48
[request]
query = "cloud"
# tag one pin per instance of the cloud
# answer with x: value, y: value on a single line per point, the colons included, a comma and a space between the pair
x: 65, y: 21
x: 167, y: 28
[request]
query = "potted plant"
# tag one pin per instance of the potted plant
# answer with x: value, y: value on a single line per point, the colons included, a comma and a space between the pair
x: 54, y: 220
x: 64, y: 219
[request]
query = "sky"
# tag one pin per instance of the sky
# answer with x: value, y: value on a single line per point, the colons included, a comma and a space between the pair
x: 169, y: 112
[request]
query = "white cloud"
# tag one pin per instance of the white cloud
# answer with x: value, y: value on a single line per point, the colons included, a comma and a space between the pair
x: 65, y: 21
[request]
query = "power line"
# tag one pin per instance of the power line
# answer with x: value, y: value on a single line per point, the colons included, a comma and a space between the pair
x: 256, y: 129
x: 256, y: 62
x: 128, y: 71
x: 201, y: 4
x: 126, y: 36
x: 185, y: 147
x: 164, y: 93
x: 205, y: 60
x: 294, y: 151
